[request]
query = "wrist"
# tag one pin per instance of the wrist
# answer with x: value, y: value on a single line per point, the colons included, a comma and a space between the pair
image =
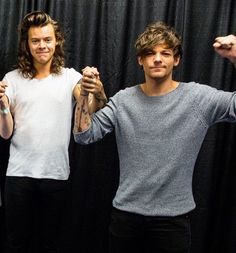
x: 2, y: 98
x: 4, y: 101
x: 100, y: 96
x: 5, y: 111
x: 83, y: 93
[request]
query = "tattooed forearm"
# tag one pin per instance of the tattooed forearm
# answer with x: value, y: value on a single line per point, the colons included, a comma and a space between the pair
x: 97, y: 101
x: 78, y: 116
x: 84, y: 111
x: 82, y: 117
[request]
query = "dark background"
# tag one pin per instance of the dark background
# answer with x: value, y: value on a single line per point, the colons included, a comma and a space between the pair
x: 102, y: 33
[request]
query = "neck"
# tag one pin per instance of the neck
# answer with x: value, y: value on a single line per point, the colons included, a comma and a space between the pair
x: 42, y: 70
x: 158, y: 87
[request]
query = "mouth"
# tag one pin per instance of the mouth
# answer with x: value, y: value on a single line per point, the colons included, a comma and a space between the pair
x: 157, y: 68
x: 41, y: 53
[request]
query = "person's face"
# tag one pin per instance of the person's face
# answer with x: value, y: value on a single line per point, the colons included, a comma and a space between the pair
x: 42, y: 44
x: 158, y: 64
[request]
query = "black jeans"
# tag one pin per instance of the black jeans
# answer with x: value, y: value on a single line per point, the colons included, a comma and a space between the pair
x: 133, y: 233
x: 30, y: 201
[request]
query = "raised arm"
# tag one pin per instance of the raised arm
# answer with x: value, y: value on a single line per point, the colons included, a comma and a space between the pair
x: 93, y: 86
x: 6, y: 121
x: 226, y: 47
x: 90, y: 85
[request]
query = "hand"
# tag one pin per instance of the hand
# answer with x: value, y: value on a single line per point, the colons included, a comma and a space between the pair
x: 90, y: 70
x: 3, y: 86
x: 91, y: 81
x: 226, y: 47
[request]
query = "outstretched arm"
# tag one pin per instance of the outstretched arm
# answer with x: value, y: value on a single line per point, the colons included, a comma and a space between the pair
x: 226, y: 47
x: 6, y: 121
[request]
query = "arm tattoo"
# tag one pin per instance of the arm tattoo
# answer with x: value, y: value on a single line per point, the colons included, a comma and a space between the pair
x: 78, y: 118
x: 82, y: 116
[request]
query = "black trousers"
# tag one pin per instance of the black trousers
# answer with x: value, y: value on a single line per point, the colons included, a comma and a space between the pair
x: 134, y: 233
x: 2, y: 229
x: 30, y: 201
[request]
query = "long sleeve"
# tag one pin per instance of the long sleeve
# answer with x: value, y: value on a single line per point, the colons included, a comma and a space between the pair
x: 215, y: 105
x: 102, y: 123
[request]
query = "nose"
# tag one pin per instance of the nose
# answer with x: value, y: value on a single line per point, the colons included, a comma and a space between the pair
x: 157, y: 57
x: 42, y: 44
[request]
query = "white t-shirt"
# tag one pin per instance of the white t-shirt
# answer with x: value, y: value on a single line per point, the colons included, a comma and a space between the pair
x: 42, y: 111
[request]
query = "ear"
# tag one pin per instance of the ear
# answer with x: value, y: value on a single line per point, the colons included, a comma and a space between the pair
x: 176, y: 61
x: 140, y: 62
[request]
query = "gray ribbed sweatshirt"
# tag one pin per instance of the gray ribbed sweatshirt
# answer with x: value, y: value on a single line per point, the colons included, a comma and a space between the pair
x: 158, y: 140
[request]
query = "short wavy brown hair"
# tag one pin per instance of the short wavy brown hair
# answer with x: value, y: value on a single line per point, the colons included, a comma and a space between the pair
x: 158, y: 33
x: 25, y: 60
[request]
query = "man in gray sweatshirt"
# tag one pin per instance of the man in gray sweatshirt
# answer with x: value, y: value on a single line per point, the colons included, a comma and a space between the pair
x: 159, y: 126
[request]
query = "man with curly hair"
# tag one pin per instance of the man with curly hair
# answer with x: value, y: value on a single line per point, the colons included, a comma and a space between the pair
x: 36, y: 106
x: 159, y: 126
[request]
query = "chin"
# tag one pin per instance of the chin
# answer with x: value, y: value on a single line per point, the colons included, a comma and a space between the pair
x: 158, y: 76
x: 43, y: 61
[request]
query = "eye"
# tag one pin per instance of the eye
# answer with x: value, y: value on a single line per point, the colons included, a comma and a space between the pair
x: 48, y: 40
x: 166, y: 54
x: 34, y: 41
x: 150, y: 53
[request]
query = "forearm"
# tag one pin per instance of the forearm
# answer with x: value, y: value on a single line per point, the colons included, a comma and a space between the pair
x: 6, y: 121
x: 82, y: 115
x: 97, y: 102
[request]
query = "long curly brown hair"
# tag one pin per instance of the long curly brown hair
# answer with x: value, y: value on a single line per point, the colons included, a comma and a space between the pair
x: 25, y: 60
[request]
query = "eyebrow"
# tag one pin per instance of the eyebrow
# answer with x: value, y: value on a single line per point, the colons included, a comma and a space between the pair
x: 48, y: 37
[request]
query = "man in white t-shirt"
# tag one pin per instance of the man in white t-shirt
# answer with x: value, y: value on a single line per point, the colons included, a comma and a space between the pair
x: 36, y: 106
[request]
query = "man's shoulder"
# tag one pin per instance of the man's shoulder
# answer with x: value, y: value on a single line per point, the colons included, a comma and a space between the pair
x: 68, y: 70
x: 124, y: 94
x: 71, y: 73
x: 198, y: 90
x: 195, y: 86
x: 14, y: 72
x: 14, y: 75
x: 128, y: 90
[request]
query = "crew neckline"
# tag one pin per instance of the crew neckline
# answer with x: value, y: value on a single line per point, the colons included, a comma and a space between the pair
x: 42, y: 79
x: 160, y: 96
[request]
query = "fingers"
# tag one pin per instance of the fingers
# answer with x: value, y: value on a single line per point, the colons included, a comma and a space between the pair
x: 225, y: 42
x: 226, y: 47
x: 92, y: 85
x: 3, y: 86
x: 90, y: 71
x: 216, y: 44
x: 90, y: 81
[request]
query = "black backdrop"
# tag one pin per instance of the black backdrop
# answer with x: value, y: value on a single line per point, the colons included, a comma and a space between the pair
x: 102, y: 33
